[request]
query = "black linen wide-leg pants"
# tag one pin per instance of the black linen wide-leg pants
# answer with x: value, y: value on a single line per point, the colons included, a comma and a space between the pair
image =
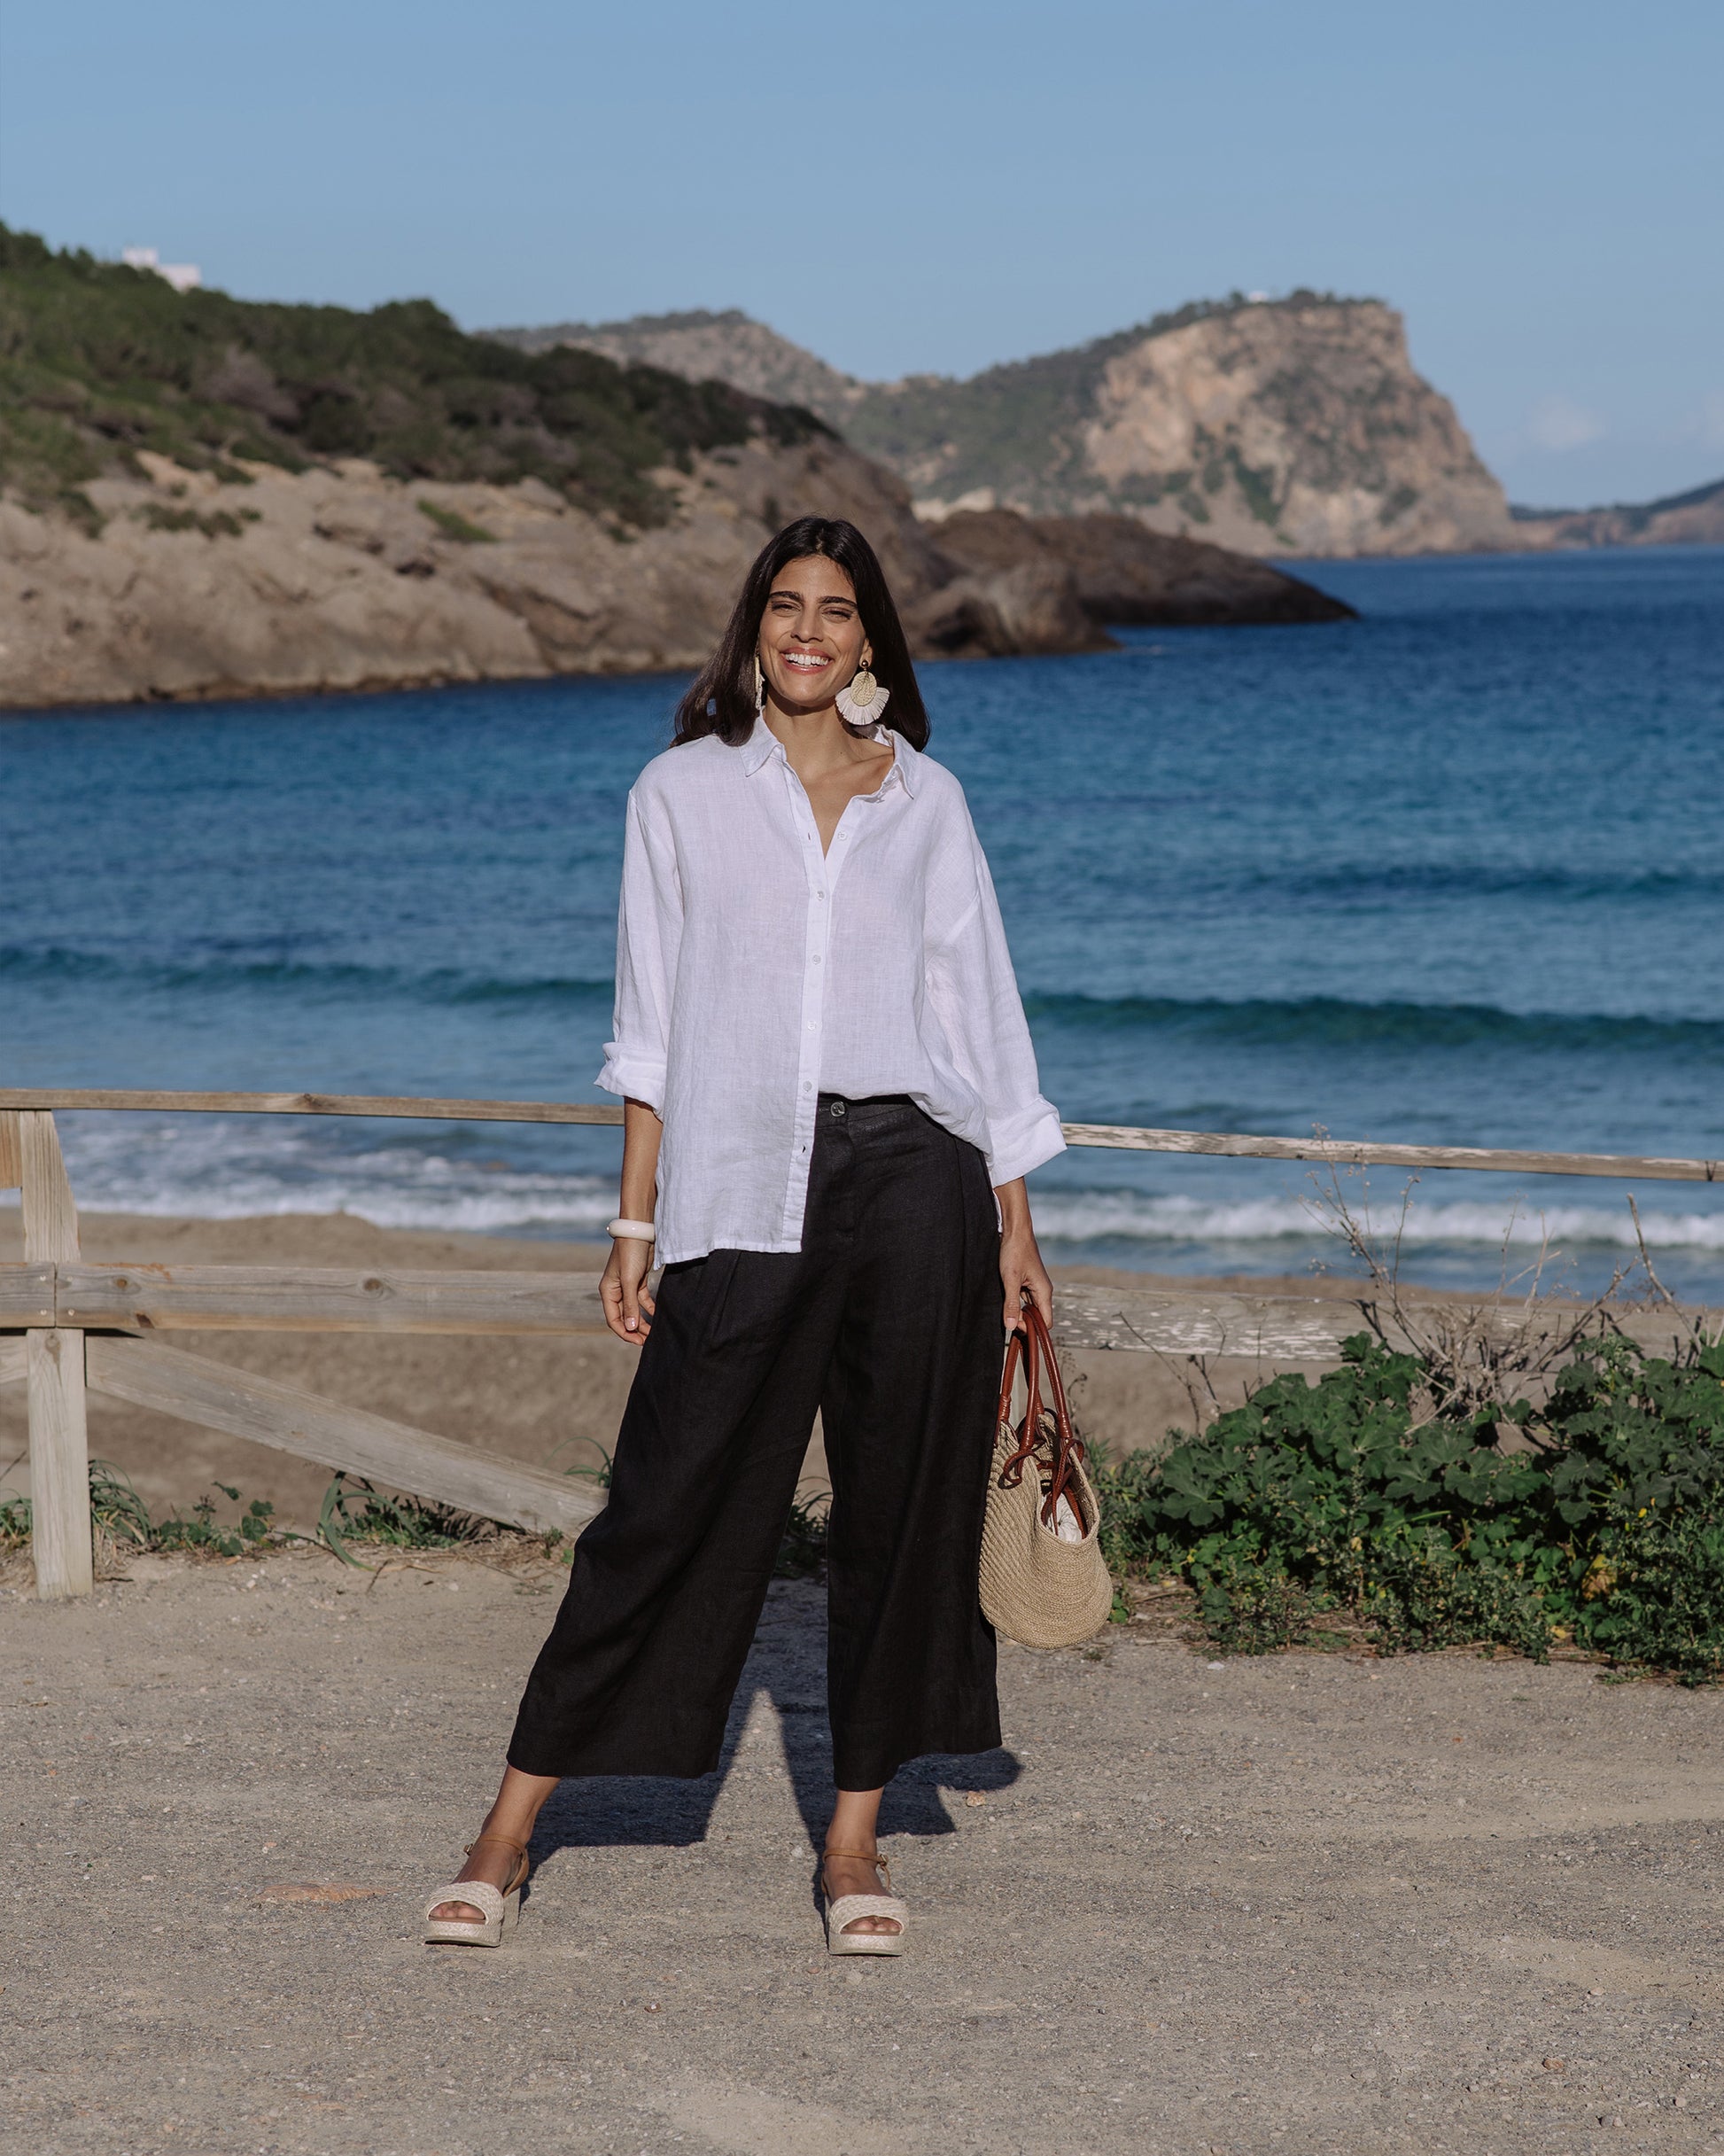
x: 888, y: 1320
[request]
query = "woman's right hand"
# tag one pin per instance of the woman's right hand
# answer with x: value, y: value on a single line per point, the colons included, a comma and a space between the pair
x: 628, y: 1308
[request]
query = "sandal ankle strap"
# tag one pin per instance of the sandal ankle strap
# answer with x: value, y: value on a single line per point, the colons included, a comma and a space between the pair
x: 880, y: 1862
x: 519, y: 1848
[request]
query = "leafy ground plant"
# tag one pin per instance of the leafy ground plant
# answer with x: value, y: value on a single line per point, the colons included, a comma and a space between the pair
x: 117, y: 1512
x: 353, y: 1511
x: 1346, y: 1507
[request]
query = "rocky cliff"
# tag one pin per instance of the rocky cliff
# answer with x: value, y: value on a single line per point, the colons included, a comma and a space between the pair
x: 1295, y: 426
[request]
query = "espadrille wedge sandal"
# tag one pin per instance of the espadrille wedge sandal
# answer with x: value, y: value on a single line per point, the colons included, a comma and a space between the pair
x: 500, y: 1906
x: 849, y: 1907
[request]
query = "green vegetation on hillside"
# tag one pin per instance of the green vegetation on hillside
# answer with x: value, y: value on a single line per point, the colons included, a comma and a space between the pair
x: 98, y: 361
x: 1348, y: 1508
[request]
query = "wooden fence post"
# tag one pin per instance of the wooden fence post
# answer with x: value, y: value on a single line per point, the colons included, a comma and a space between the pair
x: 59, y: 1444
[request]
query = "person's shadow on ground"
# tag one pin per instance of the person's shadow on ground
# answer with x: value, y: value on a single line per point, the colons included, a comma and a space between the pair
x: 788, y: 1668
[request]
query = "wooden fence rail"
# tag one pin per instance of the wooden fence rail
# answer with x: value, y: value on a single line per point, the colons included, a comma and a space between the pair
x: 68, y: 1326
x: 1130, y: 1138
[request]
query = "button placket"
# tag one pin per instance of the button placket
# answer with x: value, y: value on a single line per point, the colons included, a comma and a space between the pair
x: 808, y: 1069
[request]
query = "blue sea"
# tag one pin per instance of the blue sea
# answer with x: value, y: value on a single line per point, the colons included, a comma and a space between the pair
x: 1452, y: 873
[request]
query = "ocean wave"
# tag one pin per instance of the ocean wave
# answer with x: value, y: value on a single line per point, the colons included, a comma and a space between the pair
x: 1112, y: 1216
x: 1259, y: 1022
x: 439, y: 985
x: 216, y: 1169
x: 1335, y: 1022
x: 212, y: 1169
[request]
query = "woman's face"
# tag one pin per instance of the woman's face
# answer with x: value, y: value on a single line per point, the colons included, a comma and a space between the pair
x: 812, y: 640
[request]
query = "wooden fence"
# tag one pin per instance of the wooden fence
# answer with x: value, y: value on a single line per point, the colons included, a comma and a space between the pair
x: 68, y: 1328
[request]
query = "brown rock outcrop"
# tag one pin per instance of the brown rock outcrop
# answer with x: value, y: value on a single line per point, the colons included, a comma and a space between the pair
x: 1103, y: 569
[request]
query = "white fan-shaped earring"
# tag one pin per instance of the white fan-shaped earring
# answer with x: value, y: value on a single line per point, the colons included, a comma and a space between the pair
x: 862, y: 703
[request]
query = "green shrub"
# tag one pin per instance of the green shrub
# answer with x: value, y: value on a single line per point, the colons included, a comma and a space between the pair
x: 1332, y: 1504
x: 99, y: 361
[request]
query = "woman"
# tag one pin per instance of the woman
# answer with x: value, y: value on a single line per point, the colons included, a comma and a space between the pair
x: 830, y: 1106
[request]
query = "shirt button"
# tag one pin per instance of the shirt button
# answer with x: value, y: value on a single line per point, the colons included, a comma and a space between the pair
x: 816, y: 958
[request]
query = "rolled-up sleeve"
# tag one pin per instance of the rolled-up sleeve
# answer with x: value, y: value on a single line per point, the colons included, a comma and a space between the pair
x: 649, y: 937
x: 975, y: 993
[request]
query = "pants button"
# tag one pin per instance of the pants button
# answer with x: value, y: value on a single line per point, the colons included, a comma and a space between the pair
x: 837, y: 1108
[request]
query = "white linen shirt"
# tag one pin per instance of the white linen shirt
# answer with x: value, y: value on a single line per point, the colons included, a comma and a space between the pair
x: 754, y: 973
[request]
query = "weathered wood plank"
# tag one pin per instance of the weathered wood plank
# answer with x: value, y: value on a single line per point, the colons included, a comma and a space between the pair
x: 310, y: 1104
x: 15, y: 1361
x: 217, y: 1397
x: 12, y: 1160
x: 264, y: 1298
x: 292, y: 1298
x: 59, y: 1444
x: 27, y: 1296
x: 59, y: 1464
x: 1364, y: 1152
x: 1117, y: 1137
x: 50, y: 1219
x: 1275, y: 1329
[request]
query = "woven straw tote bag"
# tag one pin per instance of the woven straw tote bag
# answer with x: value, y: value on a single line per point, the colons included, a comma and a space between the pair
x: 1038, y: 1588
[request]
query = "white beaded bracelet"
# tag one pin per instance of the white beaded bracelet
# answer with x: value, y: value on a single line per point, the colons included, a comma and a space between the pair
x: 634, y: 1231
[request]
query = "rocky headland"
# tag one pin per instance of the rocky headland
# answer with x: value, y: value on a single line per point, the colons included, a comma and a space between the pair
x: 1295, y: 426
x: 205, y: 497
x: 1694, y: 518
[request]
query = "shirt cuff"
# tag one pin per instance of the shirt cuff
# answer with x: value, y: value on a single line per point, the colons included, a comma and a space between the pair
x: 635, y: 1075
x: 1018, y: 1143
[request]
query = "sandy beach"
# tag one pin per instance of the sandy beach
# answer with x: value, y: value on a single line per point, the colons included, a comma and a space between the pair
x: 552, y: 1401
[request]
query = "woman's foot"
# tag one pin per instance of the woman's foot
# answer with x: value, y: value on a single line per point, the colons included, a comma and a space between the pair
x: 499, y: 1861
x: 847, y: 1871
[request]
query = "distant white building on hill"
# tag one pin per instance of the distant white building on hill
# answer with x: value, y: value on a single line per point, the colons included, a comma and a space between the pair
x: 180, y: 276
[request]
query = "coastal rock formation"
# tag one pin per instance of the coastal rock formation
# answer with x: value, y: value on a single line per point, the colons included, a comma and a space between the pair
x: 1691, y: 519
x: 338, y: 577
x: 1114, y: 568
x: 1292, y: 426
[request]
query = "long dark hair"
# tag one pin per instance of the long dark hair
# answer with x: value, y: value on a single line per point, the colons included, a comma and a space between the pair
x: 721, y: 700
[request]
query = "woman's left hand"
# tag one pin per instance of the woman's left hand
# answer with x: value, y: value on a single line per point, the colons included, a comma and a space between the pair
x: 1021, y: 1268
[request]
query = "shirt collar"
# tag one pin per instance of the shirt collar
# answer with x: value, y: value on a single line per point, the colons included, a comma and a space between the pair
x: 762, y: 744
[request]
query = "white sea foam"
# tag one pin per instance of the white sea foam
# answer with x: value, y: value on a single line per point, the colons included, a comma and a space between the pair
x: 225, y: 1169
x: 1089, y: 1216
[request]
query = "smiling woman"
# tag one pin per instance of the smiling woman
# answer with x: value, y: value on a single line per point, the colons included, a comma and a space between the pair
x: 831, y: 1104
x: 815, y: 608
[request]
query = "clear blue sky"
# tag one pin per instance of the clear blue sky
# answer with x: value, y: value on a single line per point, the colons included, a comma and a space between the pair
x: 1538, y: 184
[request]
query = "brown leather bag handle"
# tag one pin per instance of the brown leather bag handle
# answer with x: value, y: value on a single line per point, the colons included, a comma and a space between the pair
x: 1033, y: 1341
x: 1068, y: 1446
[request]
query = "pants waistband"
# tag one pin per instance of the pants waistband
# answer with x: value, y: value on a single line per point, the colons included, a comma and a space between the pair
x: 839, y: 1105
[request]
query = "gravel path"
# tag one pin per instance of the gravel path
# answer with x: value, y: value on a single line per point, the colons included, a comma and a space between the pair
x: 1296, y: 1904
